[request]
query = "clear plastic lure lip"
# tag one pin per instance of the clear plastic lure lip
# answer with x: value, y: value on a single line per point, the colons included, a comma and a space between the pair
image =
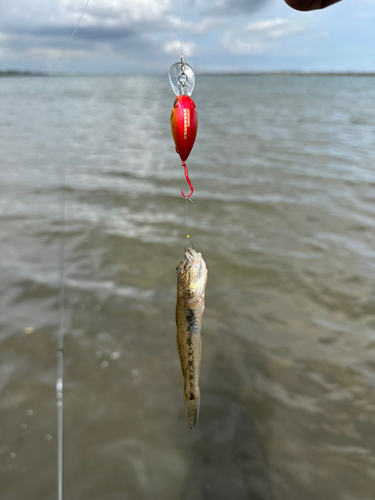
x: 182, y: 78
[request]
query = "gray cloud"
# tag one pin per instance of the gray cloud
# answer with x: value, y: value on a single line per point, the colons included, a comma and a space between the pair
x: 120, y: 36
x: 91, y: 33
x: 124, y: 33
x: 232, y: 7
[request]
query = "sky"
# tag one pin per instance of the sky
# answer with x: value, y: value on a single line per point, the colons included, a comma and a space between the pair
x: 144, y: 36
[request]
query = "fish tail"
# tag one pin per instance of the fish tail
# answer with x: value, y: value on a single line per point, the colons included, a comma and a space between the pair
x: 192, y: 409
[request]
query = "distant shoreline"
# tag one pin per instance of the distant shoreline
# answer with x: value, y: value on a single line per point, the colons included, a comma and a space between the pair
x: 19, y: 73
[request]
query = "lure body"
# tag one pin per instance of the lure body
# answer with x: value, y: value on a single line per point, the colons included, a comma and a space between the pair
x: 184, y: 124
x: 191, y: 284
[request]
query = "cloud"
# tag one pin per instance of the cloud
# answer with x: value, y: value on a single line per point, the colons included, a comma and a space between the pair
x: 95, y: 33
x: 261, y: 37
x: 233, y: 7
x: 174, y: 47
x: 240, y: 45
x: 196, y: 28
x: 38, y: 28
x: 120, y: 36
x: 103, y: 18
x: 275, y: 28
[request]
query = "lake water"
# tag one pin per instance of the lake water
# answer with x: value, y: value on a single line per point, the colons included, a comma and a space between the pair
x: 284, y: 215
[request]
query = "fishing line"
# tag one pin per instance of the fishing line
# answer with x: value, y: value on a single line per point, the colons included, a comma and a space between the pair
x: 67, y: 45
x: 61, y: 302
x: 187, y: 218
x: 74, y: 32
x: 186, y: 172
x: 182, y: 33
x: 60, y: 342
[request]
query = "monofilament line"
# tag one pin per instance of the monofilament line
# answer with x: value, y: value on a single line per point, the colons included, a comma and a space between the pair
x: 60, y: 342
x: 74, y: 32
x: 67, y: 45
x: 186, y: 216
x: 61, y: 300
x: 182, y: 33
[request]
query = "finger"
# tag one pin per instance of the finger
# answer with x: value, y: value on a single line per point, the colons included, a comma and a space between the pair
x: 305, y: 5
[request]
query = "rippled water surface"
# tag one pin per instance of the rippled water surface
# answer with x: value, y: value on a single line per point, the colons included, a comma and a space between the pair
x: 284, y: 215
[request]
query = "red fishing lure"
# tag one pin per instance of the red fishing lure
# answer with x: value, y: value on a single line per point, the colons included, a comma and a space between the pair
x: 184, y: 124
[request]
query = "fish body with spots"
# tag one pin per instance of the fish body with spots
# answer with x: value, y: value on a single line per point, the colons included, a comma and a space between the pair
x: 191, y: 285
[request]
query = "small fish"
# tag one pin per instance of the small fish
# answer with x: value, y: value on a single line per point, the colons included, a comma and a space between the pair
x: 191, y: 285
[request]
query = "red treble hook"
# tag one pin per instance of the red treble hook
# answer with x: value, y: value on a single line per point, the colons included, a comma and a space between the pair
x: 186, y: 172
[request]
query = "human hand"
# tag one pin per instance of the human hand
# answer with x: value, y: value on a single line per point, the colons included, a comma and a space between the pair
x: 310, y: 4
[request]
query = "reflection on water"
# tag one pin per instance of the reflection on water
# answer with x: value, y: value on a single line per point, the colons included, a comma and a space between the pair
x: 284, y: 216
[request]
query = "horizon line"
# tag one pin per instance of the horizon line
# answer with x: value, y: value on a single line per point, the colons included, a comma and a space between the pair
x: 11, y: 72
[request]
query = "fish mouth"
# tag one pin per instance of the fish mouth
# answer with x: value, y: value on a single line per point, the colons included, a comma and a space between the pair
x: 192, y: 274
x: 196, y: 264
x: 191, y: 255
x: 193, y: 260
x: 192, y: 263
